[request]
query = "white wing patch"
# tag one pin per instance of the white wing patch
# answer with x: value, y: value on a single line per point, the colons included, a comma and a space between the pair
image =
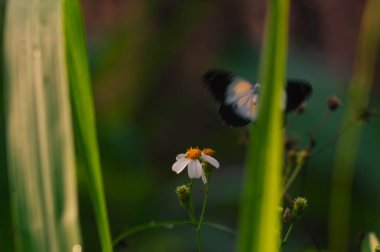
x: 243, y: 97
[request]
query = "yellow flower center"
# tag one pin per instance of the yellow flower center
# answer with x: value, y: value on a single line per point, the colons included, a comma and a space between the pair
x: 209, y: 152
x: 193, y: 153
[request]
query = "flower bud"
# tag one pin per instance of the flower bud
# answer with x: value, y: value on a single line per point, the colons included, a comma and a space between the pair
x: 208, y: 169
x: 300, y: 203
x: 183, y: 194
x: 299, y: 207
x: 209, y: 152
x: 287, y: 216
x: 333, y: 103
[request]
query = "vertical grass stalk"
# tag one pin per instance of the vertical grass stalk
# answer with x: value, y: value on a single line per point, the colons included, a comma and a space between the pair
x: 84, y: 118
x: 40, y: 144
x: 259, y: 220
x: 345, y: 159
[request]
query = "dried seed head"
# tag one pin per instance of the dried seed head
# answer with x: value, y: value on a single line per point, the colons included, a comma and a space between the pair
x: 333, y: 103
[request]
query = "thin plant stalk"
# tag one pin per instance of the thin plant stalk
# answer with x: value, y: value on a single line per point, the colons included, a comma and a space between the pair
x: 201, y: 218
x: 285, y: 240
x: 345, y: 159
x: 167, y: 225
x: 148, y: 226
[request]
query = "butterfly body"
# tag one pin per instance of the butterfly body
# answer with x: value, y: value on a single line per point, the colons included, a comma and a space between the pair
x: 239, y: 98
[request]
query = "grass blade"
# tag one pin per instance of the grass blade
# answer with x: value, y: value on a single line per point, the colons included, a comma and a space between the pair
x: 40, y: 144
x: 340, y: 199
x: 6, y: 237
x: 83, y: 109
x: 259, y: 223
x: 369, y: 243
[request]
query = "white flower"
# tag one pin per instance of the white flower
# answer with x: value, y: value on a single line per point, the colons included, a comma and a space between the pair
x: 193, y: 158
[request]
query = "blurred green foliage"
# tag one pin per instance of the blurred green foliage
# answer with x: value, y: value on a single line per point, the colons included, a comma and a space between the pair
x: 6, y: 238
x: 150, y: 106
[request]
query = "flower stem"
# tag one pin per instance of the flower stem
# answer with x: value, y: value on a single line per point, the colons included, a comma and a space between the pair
x: 292, y: 177
x: 285, y: 240
x: 193, y: 219
x: 201, y: 218
x: 168, y: 225
x: 203, y: 207
x: 219, y: 227
x: 288, y: 170
x: 147, y: 226
x: 199, y: 236
x: 191, y: 211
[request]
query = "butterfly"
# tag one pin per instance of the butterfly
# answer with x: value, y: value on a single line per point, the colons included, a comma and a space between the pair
x: 239, y: 98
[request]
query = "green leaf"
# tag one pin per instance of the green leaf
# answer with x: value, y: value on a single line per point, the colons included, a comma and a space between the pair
x: 84, y: 118
x: 347, y: 147
x: 369, y: 243
x: 259, y: 223
x: 40, y: 143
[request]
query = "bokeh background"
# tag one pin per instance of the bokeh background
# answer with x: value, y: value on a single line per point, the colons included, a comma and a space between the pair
x: 147, y: 59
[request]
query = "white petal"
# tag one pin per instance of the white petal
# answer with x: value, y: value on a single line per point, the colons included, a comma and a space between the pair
x: 204, y: 179
x: 210, y: 160
x: 179, y: 156
x: 180, y: 165
x: 195, y: 169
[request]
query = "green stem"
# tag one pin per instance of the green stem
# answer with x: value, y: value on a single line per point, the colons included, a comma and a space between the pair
x: 219, y: 226
x: 191, y: 211
x: 292, y: 177
x: 288, y: 169
x: 167, y: 225
x: 147, y: 226
x: 285, y: 240
x: 193, y: 219
x: 199, y: 236
x: 201, y: 218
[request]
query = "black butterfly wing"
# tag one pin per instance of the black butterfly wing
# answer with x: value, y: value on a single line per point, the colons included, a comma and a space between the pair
x: 297, y: 91
x: 229, y: 116
x: 234, y: 94
x: 217, y: 81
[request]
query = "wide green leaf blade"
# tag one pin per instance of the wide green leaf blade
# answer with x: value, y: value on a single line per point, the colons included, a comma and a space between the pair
x: 40, y: 142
